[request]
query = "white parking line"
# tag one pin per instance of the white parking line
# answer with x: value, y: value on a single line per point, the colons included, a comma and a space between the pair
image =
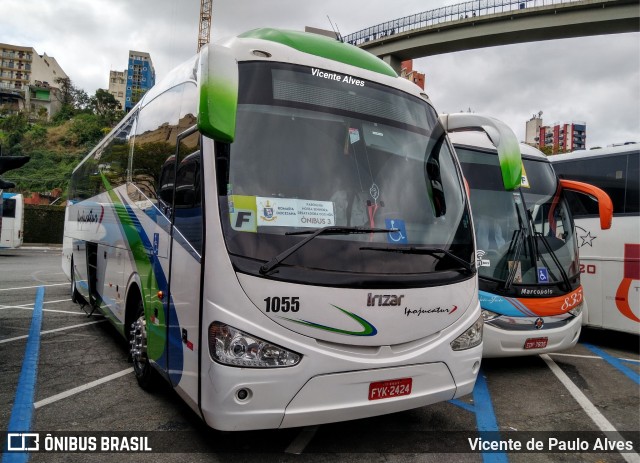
x: 298, y: 444
x: 36, y: 286
x: 27, y: 306
x: 17, y: 338
x: 591, y: 357
x: 79, y: 389
x: 590, y: 409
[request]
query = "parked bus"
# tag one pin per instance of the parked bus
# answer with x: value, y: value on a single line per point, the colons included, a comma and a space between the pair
x: 609, y: 259
x: 11, y: 220
x: 527, y: 253
x: 280, y: 229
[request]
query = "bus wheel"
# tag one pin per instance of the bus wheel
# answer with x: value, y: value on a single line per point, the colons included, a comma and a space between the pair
x: 75, y: 295
x: 138, y: 350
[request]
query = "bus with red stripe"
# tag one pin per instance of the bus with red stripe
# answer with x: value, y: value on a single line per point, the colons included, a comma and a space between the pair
x: 609, y: 259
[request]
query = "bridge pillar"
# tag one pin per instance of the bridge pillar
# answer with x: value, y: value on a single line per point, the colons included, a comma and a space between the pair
x: 394, y: 62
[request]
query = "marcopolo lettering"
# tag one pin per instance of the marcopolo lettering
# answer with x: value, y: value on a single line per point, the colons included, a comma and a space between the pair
x: 384, y: 300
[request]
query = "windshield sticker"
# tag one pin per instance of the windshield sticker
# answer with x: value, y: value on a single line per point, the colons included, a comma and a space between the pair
x: 285, y: 212
x: 337, y: 77
x: 518, y: 271
x: 543, y: 275
x: 354, y: 135
x: 399, y: 236
x: 242, y: 213
x: 525, y: 179
x: 480, y: 262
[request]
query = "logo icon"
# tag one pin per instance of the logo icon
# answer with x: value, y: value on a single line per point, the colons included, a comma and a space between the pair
x: 480, y: 262
x: 267, y: 211
x: 399, y: 236
x: 23, y: 441
x: 543, y: 275
x: 539, y: 323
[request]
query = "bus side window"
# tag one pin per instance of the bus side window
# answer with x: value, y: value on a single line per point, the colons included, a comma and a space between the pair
x: 632, y: 196
x: 188, y: 204
x: 155, y: 144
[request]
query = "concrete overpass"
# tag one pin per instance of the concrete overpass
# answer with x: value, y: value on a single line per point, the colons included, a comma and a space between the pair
x: 477, y: 24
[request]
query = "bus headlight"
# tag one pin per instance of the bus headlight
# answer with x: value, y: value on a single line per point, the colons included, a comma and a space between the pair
x: 472, y: 337
x: 489, y: 315
x: 230, y: 346
x: 577, y: 310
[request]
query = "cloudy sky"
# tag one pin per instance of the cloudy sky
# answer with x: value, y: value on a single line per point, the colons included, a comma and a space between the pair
x: 593, y: 79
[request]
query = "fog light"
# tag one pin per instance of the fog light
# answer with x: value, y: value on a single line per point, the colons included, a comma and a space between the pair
x: 242, y: 394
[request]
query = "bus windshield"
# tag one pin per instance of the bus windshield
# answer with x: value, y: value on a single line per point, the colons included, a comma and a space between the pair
x: 316, y: 149
x: 524, y: 236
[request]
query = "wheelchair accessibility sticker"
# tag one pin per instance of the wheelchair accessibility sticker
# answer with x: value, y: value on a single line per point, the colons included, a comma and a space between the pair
x: 543, y: 275
x: 399, y: 236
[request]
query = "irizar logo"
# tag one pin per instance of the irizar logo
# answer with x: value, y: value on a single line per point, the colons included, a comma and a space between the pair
x: 384, y: 300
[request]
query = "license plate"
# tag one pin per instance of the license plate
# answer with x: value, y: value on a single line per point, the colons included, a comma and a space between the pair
x: 535, y: 343
x: 388, y: 389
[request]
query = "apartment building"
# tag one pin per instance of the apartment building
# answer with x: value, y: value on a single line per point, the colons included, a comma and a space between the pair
x: 27, y: 80
x: 564, y: 137
x: 118, y: 86
x: 141, y: 76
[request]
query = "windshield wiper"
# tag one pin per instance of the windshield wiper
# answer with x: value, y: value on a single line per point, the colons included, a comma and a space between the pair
x: 331, y: 230
x: 516, y: 248
x: 554, y: 257
x: 423, y: 250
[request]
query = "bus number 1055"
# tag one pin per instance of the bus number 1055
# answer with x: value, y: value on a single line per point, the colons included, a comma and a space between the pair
x: 282, y: 304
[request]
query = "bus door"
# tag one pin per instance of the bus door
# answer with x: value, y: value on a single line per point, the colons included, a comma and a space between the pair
x: 185, y: 267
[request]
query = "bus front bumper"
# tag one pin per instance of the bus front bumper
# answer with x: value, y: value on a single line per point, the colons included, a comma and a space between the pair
x: 502, y: 342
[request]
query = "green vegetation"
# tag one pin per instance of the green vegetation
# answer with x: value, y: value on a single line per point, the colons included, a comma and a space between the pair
x: 56, y: 147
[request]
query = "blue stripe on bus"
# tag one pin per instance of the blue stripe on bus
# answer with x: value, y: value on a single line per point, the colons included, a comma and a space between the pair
x: 616, y: 363
x: 22, y: 411
x: 174, y: 345
x: 501, y: 305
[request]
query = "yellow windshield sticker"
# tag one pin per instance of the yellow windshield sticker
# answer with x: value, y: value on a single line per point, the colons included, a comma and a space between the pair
x: 242, y: 213
x: 525, y: 181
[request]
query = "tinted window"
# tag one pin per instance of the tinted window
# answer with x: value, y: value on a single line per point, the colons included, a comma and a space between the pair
x: 632, y: 198
x: 608, y: 173
x: 9, y: 208
x: 155, y: 145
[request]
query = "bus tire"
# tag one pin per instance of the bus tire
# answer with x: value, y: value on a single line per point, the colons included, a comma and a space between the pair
x: 145, y: 374
x: 76, y: 298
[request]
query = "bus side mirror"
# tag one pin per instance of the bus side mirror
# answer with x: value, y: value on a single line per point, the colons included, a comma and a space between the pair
x: 501, y: 136
x: 605, y: 206
x: 218, y: 80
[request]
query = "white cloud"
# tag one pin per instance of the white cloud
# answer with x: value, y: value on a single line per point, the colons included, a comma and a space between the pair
x: 595, y: 79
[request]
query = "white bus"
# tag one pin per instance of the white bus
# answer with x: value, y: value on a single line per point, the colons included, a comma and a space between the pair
x: 527, y: 253
x: 11, y: 220
x: 609, y: 259
x: 280, y: 229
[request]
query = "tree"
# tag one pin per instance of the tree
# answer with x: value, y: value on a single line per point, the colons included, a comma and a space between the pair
x: 12, y: 130
x: 106, y: 107
x: 74, y: 100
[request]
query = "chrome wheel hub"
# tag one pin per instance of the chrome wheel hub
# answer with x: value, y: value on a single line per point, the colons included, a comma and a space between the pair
x: 138, y: 342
